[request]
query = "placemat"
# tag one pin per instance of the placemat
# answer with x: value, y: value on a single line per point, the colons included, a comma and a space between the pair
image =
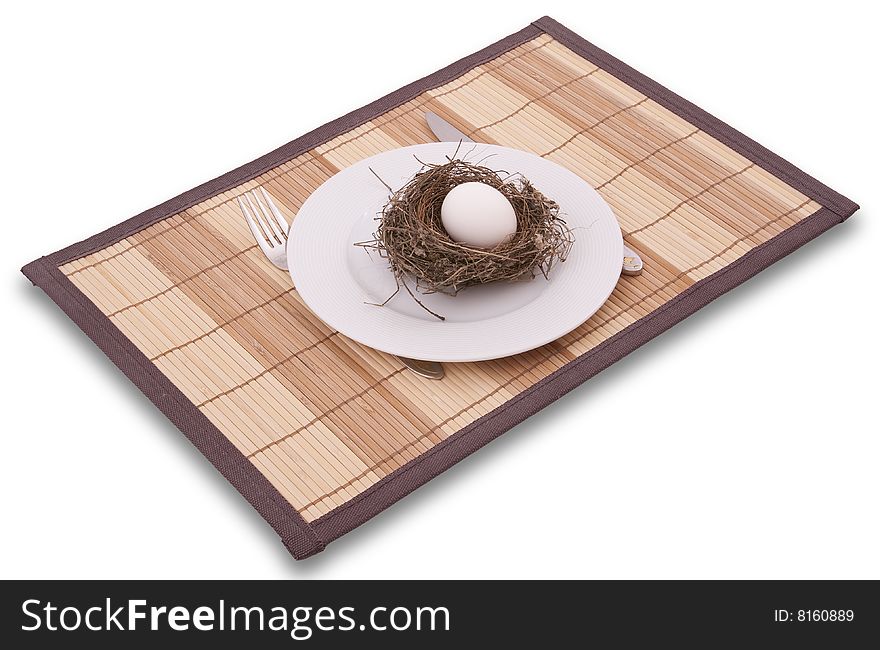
x: 320, y: 433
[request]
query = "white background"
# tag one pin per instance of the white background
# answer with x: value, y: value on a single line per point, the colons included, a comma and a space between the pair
x: 743, y: 443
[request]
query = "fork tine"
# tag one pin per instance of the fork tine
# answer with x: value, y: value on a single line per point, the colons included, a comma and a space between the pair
x: 269, y: 220
x: 272, y: 237
x: 285, y: 227
x: 255, y: 229
x: 254, y: 219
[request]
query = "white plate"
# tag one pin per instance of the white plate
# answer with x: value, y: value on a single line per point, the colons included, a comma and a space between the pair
x: 337, y: 280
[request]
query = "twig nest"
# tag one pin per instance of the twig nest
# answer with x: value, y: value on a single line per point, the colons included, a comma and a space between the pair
x: 412, y: 237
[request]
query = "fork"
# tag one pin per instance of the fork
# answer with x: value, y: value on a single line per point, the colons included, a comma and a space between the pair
x: 270, y: 229
x: 268, y: 225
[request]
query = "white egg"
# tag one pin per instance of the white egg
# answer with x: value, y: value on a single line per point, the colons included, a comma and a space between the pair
x: 478, y: 215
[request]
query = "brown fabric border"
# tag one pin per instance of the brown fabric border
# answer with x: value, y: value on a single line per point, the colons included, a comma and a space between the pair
x: 299, y: 538
x: 292, y: 149
x: 725, y: 133
x: 463, y: 443
x: 303, y: 539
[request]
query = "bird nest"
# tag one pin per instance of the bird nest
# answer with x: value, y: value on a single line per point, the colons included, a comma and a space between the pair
x: 411, y: 236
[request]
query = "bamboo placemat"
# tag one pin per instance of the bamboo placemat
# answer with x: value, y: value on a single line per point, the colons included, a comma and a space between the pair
x: 320, y: 433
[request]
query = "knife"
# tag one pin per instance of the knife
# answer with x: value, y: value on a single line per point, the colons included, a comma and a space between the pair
x: 445, y: 132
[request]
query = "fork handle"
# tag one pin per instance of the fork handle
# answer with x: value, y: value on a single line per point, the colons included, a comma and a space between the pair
x: 427, y: 369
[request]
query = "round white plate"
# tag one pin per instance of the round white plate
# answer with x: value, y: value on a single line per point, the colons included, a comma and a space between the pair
x: 338, y: 280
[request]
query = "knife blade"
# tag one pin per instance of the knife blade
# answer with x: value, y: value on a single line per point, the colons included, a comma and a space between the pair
x: 443, y: 130
x: 446, y: 132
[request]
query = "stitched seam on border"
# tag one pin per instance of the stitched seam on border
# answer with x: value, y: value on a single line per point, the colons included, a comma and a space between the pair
x: 603, y: 322
x: 681, y: 111
x: 685, y: 111
x: 562, y: 372
x: 146, y: 368
x: 263, y: 169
